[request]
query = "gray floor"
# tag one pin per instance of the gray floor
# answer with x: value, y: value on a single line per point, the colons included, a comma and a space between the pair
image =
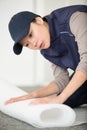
x: 9, y: 123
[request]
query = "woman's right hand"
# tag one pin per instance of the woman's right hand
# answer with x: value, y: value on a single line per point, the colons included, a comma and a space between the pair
x: 17, y: 99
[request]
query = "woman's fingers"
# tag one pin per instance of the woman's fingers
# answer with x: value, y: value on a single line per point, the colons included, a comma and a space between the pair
x: 16, y: 99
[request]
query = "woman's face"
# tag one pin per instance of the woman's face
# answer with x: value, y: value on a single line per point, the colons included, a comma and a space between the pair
x: 38, y: 37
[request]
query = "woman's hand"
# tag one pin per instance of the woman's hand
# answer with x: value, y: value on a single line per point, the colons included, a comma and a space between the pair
x: 16, y: 99
x: 46, y: 100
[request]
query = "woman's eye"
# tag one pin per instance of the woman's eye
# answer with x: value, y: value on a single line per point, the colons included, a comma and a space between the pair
x: 27, y: 45
x: 30, y: 35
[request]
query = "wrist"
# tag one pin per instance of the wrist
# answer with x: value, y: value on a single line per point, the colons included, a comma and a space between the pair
x: 62, y: 98
x: 32, y: 95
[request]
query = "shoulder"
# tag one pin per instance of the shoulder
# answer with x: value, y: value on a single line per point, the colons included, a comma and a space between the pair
x: 78, y: 16
x: 78, y: 20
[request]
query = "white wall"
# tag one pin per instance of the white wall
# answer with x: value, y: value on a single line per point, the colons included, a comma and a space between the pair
x: 17, y: 69
x: 30, y: 68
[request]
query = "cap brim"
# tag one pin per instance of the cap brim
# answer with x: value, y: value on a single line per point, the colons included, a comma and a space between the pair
x: 17, y: 48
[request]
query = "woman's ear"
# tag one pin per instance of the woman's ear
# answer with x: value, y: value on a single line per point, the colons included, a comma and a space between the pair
x: 39, y: 20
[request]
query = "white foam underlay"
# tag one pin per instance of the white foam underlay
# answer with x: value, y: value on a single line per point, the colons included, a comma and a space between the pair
x: 41, y: 116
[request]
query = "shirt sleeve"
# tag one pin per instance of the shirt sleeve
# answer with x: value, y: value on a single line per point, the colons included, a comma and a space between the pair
x: 78, y: 26
x: 61, y: 77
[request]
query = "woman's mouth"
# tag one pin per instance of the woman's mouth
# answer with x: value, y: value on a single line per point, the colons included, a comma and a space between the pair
x: 42, y: 45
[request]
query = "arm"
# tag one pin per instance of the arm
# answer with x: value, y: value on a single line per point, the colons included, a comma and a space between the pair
x: 78, y: 79
x: 61, y: 77
x: 55, y: 87
x: 61, y: 80
x: 48, y: 90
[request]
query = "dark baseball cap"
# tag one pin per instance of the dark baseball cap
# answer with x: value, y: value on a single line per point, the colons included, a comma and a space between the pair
x: 19, y: 26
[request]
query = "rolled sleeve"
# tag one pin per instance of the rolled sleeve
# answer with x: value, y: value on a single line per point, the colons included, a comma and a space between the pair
x: 61, y: 77
x: 78, y: 25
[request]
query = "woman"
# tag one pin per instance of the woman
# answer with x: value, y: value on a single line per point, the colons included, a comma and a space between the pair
x: 61, y: 38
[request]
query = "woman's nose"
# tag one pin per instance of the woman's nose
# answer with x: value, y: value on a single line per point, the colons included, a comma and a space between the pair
x: 33, y: 43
